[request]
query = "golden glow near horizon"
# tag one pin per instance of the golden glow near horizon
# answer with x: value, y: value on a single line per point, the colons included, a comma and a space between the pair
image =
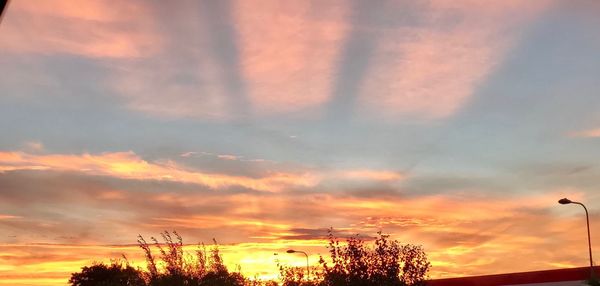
x: 460, y: 233
x: 455, y: 125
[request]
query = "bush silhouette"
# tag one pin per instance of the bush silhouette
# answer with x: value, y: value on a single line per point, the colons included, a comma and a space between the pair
x: 108, y: 275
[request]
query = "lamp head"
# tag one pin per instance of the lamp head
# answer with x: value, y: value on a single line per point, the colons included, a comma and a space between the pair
x: 564, y: 201
x: 290, y: 251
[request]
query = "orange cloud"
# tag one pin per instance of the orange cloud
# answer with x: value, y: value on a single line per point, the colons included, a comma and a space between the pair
x: 463, y: 234
x: 129, y: 166
x: 469, y: 236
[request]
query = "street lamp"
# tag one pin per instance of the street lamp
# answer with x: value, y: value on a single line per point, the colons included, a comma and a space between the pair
x: 566, y: 201
x: 307, y: 268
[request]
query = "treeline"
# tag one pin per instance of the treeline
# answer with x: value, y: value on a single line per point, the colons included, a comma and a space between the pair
x: 353, y: 263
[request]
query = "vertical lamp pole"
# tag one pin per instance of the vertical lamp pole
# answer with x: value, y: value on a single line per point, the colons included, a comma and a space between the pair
x: 307, y: 267
x: 566, y: 201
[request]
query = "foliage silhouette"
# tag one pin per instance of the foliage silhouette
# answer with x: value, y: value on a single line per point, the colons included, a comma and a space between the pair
x: 108, y: 275
x: 387, y: 263
x: 181, y: 269
x: 172, y: 267
x: 296, y: 276
x: 353, y: 263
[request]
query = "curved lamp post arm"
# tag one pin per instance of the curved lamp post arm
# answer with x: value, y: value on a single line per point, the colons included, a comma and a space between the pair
x: 587, y: 220
x: 307, y: 265
x: 566, y: 201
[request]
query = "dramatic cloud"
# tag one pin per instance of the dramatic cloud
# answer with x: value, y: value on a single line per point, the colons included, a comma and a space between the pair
x: 264, y: 123
x: 233, y: 62
x: 479, y: 232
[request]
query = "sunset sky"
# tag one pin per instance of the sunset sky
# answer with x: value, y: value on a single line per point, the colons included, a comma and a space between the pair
x: 456, y: 125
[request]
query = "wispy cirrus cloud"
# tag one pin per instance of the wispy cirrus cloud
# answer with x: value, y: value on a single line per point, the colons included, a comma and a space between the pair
x: 4, y: 216
x: 589, y: 133
x: 34, y: 146
x: 375, y: 175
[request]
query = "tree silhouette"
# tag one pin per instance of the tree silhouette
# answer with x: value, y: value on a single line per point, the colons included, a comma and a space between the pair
x: 388, y: 263
x: 353, y: 263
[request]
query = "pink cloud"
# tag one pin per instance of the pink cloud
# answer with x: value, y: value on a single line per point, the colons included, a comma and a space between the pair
x: 373, y: 175
x: 157, y: 93
x: 183, y: 77
x: 228, y: 157
x: 126, y: 37
x: 288, y: 53
x: 429, y: 71
x: 96, y: 29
